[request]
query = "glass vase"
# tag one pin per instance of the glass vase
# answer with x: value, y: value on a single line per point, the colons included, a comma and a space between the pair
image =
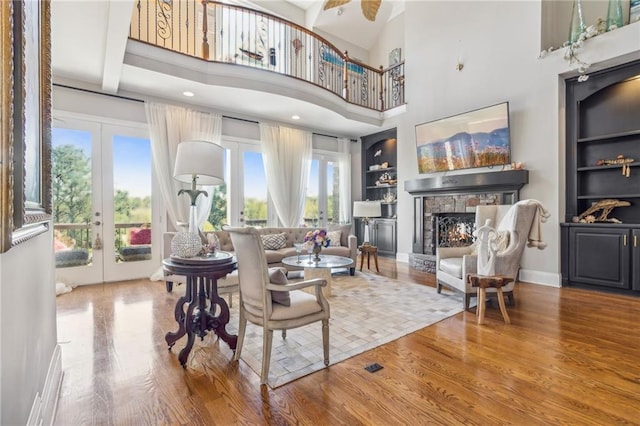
x: 577, y: 26
x: 614, y: 15
x: 316, y: 252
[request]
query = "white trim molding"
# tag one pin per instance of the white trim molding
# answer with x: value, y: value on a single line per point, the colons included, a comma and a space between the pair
x: 43, y: 409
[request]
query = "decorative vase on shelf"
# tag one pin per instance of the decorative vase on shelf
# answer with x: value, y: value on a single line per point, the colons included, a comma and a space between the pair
x: 577, y: 26
x: 316, y: 251
x: 614, y: 15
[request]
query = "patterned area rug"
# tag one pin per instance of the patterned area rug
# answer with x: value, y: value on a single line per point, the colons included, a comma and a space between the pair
x: 355, y: 325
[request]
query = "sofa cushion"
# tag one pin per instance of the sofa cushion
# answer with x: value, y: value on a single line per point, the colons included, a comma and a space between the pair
x: 278, y: 276
x: 345, y: 231
x: 452, y: 266
x: 274, y: 241
x: 334, y: 238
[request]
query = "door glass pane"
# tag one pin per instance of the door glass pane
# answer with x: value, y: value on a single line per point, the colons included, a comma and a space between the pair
x: 255, y: 190
x: 311, y: 210
x: 333, y: 193
x: 219, y: 205
x: 132, y: 198
x: 72, y: 194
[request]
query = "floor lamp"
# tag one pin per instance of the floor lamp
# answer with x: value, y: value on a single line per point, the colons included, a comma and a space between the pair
x: 367, y: 210
x: 197, y: 163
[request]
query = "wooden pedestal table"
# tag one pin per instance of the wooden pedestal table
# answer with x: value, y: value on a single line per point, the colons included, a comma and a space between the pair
x: 206, y: 310
x: 484, y: 282
x: 318, y: 269
x: 369, y: 250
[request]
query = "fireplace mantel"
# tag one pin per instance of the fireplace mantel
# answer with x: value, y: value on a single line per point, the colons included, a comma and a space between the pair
x: 455, y: 194
x: 508, y: 180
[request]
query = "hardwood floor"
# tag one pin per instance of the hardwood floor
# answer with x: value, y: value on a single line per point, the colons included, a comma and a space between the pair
x: 570, y: 356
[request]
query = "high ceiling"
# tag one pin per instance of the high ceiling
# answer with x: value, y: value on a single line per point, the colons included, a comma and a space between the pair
x: 89, y: 49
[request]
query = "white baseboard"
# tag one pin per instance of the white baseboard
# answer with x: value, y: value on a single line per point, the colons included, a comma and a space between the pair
x: 43, y: 409
x: 402, y: 257
x: 539, y: 277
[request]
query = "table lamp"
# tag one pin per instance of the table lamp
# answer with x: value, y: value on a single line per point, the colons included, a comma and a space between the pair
x: 198, y: 163
x: 367, y: 210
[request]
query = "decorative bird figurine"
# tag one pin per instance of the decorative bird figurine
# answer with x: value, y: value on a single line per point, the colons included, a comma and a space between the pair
x: 369, y: 7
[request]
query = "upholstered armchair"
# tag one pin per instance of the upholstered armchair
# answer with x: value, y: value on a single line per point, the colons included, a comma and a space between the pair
x: 513, y: 224
x: 271, y: 305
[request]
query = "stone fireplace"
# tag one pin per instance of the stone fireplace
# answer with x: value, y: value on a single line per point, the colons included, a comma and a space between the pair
x: 444, y: 209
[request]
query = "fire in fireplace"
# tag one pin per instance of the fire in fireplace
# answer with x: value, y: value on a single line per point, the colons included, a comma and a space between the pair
x: 452, y: 229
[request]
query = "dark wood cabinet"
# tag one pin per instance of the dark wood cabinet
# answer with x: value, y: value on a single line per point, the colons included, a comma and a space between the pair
x: 603, y: 123
x: 379, y: 183
x: 600, y: 256
x: 383, y: 235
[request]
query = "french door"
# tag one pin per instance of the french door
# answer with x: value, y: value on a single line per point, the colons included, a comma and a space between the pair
x: 322, y: 204
x: 105, y: 218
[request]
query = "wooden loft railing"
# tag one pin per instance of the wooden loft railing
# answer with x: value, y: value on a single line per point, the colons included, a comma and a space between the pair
x: 226, y: 33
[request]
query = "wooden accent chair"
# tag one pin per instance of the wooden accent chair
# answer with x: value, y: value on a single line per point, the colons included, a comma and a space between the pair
x: 514, y: 222
x: 257, y: 306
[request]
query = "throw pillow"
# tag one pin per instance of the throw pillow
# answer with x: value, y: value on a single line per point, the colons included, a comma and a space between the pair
x: 278, y: 275
x: 274, y: 241
x: 334, y: 237
x: 140, y: 236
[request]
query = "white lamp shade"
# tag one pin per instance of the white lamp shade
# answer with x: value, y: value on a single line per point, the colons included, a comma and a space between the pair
x: 200, y: 159
x: 367, y: 209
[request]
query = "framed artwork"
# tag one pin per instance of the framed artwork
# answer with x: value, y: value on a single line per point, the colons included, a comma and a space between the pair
x: 395, y: 56
x: 634, y: 11
x: 25, y: 202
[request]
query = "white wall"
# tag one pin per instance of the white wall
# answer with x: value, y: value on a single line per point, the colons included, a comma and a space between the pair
x: 499, y: 42
x: 28, y: 328
x: 391, y: 37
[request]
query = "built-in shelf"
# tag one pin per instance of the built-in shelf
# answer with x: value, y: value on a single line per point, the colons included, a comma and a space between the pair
x: 381, y: 186
x: 603, y: 196
x: 607, y: 166
x: 609, y: 136
x: 388, y: 169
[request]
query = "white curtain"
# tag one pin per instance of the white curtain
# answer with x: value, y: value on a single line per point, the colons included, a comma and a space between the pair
x: 344, y: 176
x: 168, y: 126
x: 286, y: 154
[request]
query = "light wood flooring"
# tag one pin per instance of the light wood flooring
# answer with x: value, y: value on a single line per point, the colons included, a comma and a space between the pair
x: 569, y: 357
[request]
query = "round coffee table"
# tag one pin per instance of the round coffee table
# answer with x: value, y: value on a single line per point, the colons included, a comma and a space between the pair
x: 321, y: 269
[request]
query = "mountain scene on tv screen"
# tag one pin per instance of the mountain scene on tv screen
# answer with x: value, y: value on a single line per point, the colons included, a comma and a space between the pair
x: 465, y: 150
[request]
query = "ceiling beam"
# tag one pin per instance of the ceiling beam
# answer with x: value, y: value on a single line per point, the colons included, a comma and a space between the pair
x: 119, y: 20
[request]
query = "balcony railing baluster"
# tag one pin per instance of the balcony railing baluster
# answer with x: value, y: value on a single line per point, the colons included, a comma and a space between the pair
x: 221, y: 32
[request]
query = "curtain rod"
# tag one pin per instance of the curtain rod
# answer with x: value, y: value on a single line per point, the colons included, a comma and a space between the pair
x: 127, y: 98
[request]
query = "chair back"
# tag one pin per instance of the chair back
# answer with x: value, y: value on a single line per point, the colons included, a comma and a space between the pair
x: 517, y: 219
x: 253, y: 272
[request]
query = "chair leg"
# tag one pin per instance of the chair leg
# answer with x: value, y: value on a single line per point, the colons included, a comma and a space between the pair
x: 325, y: 341
x: 231, y: 300
x: 352, y: 271
x: 169, y: 285
x: 284, y: 333
x: 466, y: 300
x: 242, y: 326
x: 267, y: 338
x: 438, y: 287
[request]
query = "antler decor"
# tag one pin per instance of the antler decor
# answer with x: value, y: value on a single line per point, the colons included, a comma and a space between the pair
x: 369, y: 7
x: 620, y: 159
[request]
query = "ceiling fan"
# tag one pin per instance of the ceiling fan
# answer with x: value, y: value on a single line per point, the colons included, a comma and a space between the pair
x: 369, y: 7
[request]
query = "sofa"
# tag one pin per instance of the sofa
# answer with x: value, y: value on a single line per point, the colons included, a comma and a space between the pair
x: 279, y: 242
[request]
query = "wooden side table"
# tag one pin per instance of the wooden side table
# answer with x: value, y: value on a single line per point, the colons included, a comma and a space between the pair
x: 205, y: 309
x: 482, y: 283
x: 369, y: 250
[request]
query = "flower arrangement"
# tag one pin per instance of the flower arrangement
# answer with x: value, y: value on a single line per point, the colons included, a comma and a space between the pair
x: 570, y: 54
x: 317, y: 238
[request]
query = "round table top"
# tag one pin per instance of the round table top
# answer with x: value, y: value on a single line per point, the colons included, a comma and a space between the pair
x: 326, y: 261
x: 220, y: 263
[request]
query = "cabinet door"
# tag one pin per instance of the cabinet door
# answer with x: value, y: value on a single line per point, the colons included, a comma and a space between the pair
x: 635, y: 255
x: 600, y: 256
x: 384, y: 237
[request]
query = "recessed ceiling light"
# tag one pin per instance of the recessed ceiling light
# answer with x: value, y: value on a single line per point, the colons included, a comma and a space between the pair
x: 188, y: 94
x: 295, y: 117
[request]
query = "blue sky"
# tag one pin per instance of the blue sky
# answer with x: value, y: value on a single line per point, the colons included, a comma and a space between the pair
x: 132, y: 158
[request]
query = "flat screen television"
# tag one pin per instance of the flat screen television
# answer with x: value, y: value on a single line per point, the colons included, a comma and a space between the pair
x: 478, y: 138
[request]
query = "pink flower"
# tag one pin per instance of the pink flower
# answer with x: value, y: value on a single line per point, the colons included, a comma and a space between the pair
x: 318, y: 238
